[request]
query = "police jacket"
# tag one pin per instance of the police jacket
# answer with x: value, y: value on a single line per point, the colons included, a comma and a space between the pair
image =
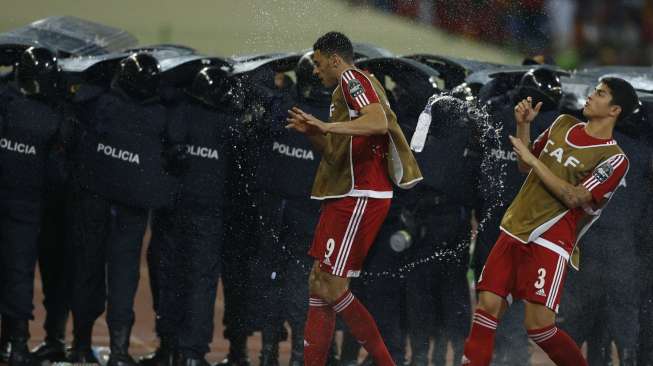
x: 450, y: 156
x: 208, y: 135
x: 30, y: 139
x: 288, y: 161
x: 125, y: 149
x: 615, y: 233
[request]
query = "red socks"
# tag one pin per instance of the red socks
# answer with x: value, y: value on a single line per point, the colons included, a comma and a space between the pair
x: 363, y: 327
x: 558, y: 345
x: 480, y: 343
x: 318, y: 332
x: 320, y: 325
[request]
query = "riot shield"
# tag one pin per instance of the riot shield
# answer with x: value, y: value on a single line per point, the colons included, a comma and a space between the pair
x: 178, y: 64
x: 65, y: 35
x: 408, y: 85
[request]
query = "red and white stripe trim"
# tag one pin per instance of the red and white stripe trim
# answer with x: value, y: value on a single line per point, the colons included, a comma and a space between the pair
x: 342, y: 305
x: 615, y: 161
x: 557, y: 281
x: 544, y: 336
x: 350, y: 234
x: 484, y: 321
x: 362, y: 99
x: 317, y: 302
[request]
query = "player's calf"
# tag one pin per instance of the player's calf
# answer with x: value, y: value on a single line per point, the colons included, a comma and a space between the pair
x: 540, y: 325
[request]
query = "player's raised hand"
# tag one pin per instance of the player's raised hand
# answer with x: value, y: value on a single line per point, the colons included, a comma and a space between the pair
x: 524, y: 111
x: 298, y: 120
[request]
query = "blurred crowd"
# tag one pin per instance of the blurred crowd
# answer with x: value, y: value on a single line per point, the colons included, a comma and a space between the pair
x: 575, y: 32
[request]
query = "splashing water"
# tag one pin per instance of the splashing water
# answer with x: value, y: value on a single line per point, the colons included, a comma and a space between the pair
x: 462, y: 113
x: 494, y: 169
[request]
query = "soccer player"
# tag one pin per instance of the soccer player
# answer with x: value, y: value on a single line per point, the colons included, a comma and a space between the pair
x: 362, y: 150
x: 574, y: 167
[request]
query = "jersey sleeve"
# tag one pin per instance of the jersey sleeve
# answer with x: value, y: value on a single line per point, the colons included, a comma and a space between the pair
x: 540, y: 142
x: 606, y: 177
x: 358, y: 89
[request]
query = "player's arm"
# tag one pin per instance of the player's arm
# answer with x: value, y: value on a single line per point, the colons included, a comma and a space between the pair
x: 605, y: 179
x: 572, y: 196
x: 524, y: 134
x: 372, y: 121
x: 525, y: 113
x: 360, y: 97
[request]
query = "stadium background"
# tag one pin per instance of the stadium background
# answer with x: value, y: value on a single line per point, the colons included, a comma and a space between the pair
x: 229, y: 27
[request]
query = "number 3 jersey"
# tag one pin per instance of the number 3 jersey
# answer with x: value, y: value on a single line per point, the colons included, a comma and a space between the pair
x: 537, y: 216
x: 363, y: 166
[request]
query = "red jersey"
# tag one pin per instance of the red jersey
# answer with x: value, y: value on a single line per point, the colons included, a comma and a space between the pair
x: 368, y: 153
x: 602, y: 183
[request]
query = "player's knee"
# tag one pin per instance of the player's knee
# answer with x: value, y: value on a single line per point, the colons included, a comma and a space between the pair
x: 333, y: 289
x: 491, y: 304
x: 537, y: 323
x: 314, y: 287
x: 538, y: 316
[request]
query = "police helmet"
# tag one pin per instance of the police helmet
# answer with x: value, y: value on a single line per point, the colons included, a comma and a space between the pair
x: 309, y: 86
x: 211, y: 86
x: 37, y: 72
x: 139, y: 75
x: 637, y: 124
x: 464, y: 92
x: 543, y: 85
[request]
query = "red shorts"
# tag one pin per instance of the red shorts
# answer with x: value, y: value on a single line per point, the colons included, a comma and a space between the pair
x: 345, y: 233
x: 526, y: 271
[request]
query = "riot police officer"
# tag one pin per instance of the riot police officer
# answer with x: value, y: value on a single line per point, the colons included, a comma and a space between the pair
x: 188, y: 235
x: 645, y: 346
x: 31, y: 149
x: 543, y: 85
x: 437, y: 218
x: 54, y: 268
x: 613, y: 247
x: 54, y: 251
x: 4, y: 332
x: 263, y: 107
x: 284, y: 178
x: 127, y: 158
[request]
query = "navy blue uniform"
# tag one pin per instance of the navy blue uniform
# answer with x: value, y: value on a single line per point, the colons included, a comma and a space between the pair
x: 511, y: 339
x: 54, y: 263
x: 30, y: 140
x: 603, y: 292
x: 284, y: 178
x: 240, y: 273
x: 645, y: 233
x: 441, y: 206
x: 188, y: 236
x: 119, y: 175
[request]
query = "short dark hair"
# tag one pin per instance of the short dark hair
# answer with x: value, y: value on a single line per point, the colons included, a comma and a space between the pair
x: 335, y: 43
x: 623, y: 95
